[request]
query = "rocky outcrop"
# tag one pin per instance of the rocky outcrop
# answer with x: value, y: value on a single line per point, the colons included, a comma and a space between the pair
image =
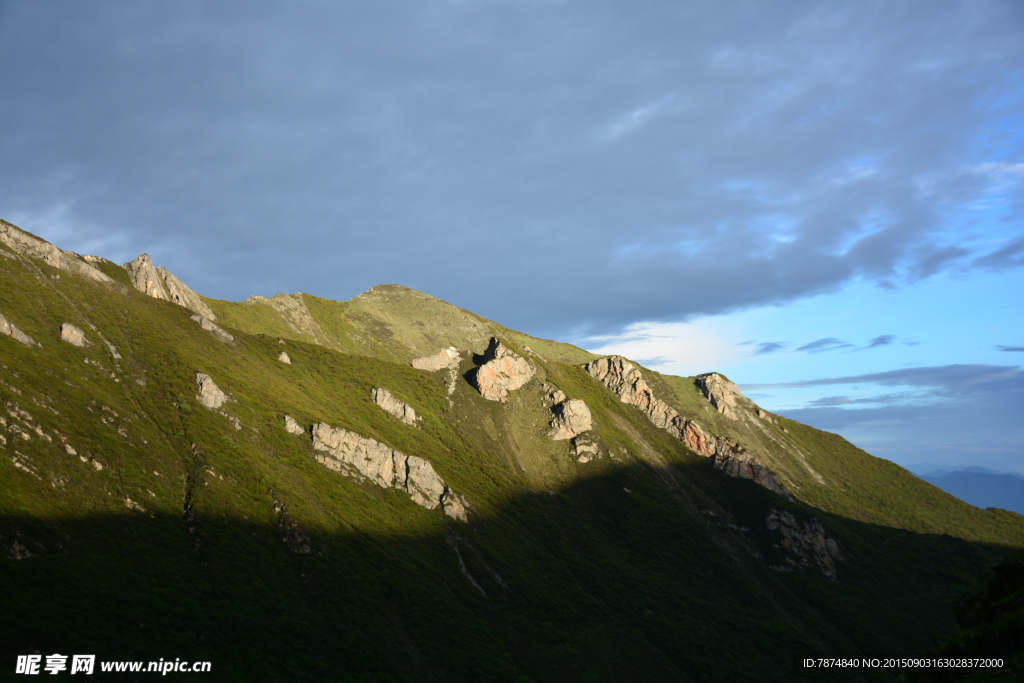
x: 212, y: 327
x: 584, y: 449
x: 387, y: 401
x: 626, y: 382
x: 162, y: 284
x: 291, y: 426
x: 209, y: 394
x: 738, y: 463
x: 804, y: 544
x: 72, y: 335
x: 720, y: 392
x: 571, y: 417
x: 9, y: 329
x: 448, y: 358
x: 284, y: 358
x: 30, y: 245
x: 350, y: 453
x: 503, y: 371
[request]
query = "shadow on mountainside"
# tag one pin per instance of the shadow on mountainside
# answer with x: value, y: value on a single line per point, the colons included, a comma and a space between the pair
x: 600, y: 581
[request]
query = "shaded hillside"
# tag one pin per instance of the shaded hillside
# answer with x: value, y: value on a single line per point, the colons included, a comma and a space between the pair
x: 140, y: 518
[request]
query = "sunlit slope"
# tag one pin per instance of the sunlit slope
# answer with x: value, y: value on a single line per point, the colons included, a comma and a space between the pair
x: 388, y: 321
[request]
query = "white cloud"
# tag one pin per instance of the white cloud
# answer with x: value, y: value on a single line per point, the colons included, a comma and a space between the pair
x: 673, y: 348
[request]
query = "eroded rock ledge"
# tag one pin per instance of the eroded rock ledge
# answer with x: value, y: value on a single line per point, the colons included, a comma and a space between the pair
x: 448, y: 358
x: 11, y: 330
x: 349, y: 453
x: 389, y: 403
x: 626, y: 382
x: 503, y: 371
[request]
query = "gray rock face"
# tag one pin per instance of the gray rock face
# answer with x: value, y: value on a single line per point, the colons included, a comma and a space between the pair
x: 503, y: 371
x: 348, y: 452
x: 8, y: 328
x: 626, y: 382
x: 73, y: 335
x: 161, y: 284
x: 738, y: 463
x: 29, y: 245
x: 284, y: 358
x: 571, y: 417
x: 386, y: 400
x: 291, y: 426
x: 723, y: 394
x: 212, y: 328
x: 804, y: 544
x: 209, y: 394
x: 447, y: 358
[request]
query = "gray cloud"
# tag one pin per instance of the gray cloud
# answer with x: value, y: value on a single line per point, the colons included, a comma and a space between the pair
x: 658, y: 161
x: 963, y: 414
x: 1010, y: 348
x: 769, y: 347
x: 948, y: 379
x: 827, y: 344
x: 883, y: 340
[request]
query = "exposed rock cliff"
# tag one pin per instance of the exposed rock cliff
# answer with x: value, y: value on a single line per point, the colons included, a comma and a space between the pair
x: 30, y: 245
x: 348, y: 452
x: 162, y: 284
x: 447, y: 358
x: 386, y: 400
x: 8, y: 328
x: 571, y: 417
x: 626, y: 382
x: 503, y: 371
x: 804, y: 543
x: 723, y: 394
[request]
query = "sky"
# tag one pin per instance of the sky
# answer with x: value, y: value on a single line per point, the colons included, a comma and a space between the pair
x: 823, y: 201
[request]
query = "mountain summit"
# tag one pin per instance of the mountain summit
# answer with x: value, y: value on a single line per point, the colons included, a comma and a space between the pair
x: 392, y: 488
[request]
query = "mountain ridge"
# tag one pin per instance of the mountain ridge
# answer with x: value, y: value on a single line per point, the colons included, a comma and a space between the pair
x: 112, y: 438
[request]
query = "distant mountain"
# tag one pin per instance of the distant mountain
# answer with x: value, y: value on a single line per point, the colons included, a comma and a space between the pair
x: 392, y: 488
x: 982, y: 489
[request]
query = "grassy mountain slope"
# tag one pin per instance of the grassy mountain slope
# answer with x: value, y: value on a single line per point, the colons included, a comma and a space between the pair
x: 138, y: 524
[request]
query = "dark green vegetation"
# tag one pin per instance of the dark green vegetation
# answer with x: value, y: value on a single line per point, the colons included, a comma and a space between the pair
x: 167, y: 532
x: 991, y: 619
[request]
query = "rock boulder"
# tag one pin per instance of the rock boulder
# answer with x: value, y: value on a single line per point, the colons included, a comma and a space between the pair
x: 291, y: 426
x: 209, y: 394
x: 503, y: 371
x: 571, y: 417
x: 73, y: 335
